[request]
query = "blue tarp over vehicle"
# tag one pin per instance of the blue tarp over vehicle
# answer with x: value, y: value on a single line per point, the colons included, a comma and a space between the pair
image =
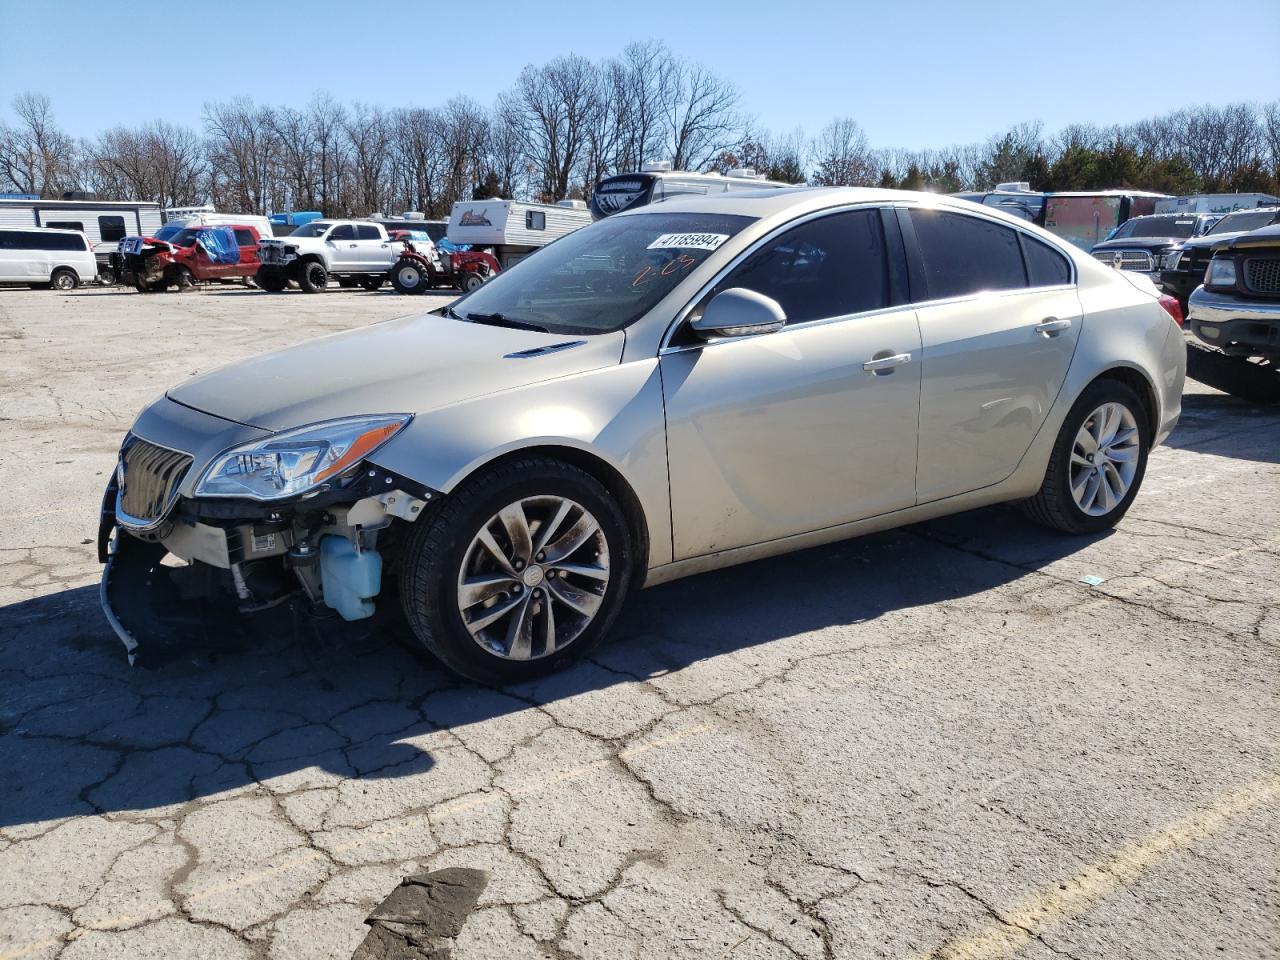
x: 220, y: 244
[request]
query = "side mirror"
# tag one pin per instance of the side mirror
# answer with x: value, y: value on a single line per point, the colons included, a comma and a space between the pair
x: 739, y: 312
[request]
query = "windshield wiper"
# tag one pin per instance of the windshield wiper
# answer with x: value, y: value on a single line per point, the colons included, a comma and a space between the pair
x: 502, y: 320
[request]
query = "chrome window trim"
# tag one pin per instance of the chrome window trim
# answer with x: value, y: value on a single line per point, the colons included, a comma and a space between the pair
x: 682, y: 314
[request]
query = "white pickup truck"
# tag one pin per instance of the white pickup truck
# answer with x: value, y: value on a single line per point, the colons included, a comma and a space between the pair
x: 351, y: 251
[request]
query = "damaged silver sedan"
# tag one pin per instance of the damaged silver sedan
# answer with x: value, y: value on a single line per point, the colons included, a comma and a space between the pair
x: 671, y: 390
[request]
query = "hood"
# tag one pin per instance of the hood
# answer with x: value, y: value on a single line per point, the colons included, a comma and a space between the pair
x: 409, y: 365
x: 1138, y: 243
x: 1209, y: 241
x: 1262, y: 237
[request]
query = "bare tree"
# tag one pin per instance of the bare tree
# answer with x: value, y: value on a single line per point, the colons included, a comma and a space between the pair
x: 553, y: 107
x: 325, y: 120
x: 369, y: 137
x: 700, y: 115
x: 161, y: 162
x: 36, y: 156
x: 843, y: 155
x: 241, y: 149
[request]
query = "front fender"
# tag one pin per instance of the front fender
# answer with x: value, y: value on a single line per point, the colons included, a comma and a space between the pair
x: 614, y: 414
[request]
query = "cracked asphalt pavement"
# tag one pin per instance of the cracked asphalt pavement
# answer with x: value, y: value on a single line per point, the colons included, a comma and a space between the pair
x: 933, y: 742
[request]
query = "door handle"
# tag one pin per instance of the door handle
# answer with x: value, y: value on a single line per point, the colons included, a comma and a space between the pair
x: 353, y: 246
x: 1052, y: 325
x: 883, y: 365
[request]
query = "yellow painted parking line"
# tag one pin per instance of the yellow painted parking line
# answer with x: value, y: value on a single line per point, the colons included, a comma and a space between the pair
x: 1063, y: 902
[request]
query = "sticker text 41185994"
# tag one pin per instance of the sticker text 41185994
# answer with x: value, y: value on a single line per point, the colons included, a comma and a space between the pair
x: 689, y: 241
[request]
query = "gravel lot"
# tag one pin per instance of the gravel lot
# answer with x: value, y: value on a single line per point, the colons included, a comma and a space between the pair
x: 937, y: 741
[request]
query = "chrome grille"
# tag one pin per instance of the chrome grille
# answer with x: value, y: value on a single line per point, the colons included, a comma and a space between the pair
x: 1129, y: 259
x: 1262, y: 274
x: 149, y: 476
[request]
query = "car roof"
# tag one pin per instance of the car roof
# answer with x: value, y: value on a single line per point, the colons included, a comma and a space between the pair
x: 768, y: 204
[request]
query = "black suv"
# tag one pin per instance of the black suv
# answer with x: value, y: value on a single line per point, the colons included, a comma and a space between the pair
x: 1141, y: 244
x: 1184, y: 270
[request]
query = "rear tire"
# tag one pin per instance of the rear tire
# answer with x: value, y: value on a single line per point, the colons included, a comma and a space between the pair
x: 409, y: 277
x: 64, y: 279
x: 313, y: 277
x: 1075, y: 471
x: 444, y: 549
x: 1238, y: 376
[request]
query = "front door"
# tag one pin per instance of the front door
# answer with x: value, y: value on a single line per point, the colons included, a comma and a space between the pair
x: 344, y: 249
x: 784, y: 433
x: 999, y: 322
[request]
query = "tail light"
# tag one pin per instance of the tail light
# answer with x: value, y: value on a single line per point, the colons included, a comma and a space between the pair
x: 1173, y: 307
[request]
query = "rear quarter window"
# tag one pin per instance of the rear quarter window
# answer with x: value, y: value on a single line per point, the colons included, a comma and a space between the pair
x: 245, y: 238
x: 1046, y: 267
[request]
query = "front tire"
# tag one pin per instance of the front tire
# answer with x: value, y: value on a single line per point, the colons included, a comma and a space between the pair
x: 272, y: 281
x: 518, y: 572
x: 1098, y: 461
x: 313, y: 277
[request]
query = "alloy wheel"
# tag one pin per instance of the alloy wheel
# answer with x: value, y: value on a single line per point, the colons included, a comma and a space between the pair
x: 64, y: 281
x: 533, y: 577
x: 1104, y: 459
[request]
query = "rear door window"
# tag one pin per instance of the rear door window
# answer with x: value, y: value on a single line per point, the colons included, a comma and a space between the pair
x: 111, y: 228
x: 964, y: 255
x: 245, y: 238
x: 367, y: 231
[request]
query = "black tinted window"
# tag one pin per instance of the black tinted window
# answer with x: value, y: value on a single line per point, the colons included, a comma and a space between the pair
x: 34, y: 240
x: 64, y: 225
x: 245, y: 238
x: 9, y: 240
x: 1045, y: 266
x: 344, y: 232
x: 368, y: 232
x: 964, y: 255
x: 825, y: 268
x: 111, y: 228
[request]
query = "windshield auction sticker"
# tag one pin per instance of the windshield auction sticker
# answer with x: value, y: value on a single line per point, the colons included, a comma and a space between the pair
x: 689, y: 241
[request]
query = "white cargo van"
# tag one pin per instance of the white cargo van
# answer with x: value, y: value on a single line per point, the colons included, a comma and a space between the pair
x: 43, y: 258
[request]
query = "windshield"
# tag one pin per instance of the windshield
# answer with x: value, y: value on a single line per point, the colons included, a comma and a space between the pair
x: 603, y: 277
x: 169, y: 231
x: 1245, y: 220
x: 1172, y: 226
x: 184, y: 237
x: 315, y: 228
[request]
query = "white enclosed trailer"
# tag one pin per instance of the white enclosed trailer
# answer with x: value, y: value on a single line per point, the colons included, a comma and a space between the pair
x: 513, y: 228
x: 103, y: 222
x: 1216, y: 203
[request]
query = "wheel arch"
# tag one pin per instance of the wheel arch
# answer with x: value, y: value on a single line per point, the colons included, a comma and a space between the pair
x: 1138, y: 381
x: 609, y: 476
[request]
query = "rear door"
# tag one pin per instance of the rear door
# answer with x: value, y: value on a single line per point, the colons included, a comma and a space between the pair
x: 999, y: 321
x: 374, y: 248
x: 247, y: 240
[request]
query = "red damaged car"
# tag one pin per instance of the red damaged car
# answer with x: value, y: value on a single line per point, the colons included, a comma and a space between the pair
x: 188, y: 256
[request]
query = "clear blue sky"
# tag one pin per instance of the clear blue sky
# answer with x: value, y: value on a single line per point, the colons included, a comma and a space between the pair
x: 913, y: 74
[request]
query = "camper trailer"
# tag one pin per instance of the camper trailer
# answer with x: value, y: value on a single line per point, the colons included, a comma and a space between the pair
x: 103, y: 222
x: 513, y: 229
x: 1216, y: 203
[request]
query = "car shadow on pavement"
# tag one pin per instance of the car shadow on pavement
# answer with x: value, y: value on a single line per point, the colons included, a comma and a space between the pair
x: 1225, y: 426
x: 83, y: 733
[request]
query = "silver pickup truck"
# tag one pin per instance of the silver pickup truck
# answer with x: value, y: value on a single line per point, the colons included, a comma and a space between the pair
x: 354, y: 252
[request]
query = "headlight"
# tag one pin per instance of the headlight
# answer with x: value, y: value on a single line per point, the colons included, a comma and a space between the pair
x: 294, y: 462
x: 1171, y: 260
x: 1221, y: 273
